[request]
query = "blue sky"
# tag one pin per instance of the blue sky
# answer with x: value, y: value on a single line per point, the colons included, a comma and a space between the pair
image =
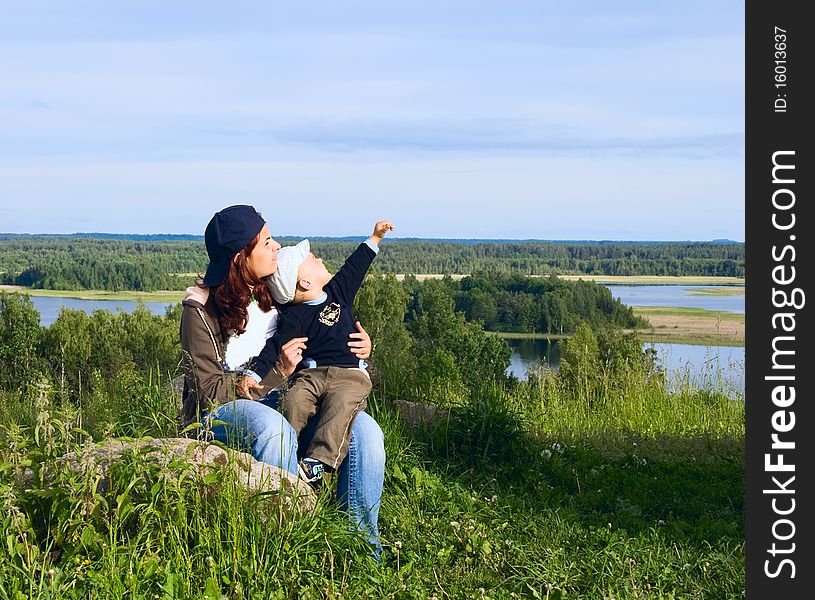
x: 511, y: 119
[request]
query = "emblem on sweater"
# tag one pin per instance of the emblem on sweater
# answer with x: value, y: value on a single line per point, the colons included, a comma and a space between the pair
x: 330, y: 314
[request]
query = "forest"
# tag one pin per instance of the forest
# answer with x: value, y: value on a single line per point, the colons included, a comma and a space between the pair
x: 149, y: 263
x: 518, y: 304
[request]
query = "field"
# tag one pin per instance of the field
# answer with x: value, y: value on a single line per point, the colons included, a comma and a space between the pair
x: 659, y: 279
x: 524, y: 494
x: 673, y: 325
x: 620, y: 279
x: 691, y: 326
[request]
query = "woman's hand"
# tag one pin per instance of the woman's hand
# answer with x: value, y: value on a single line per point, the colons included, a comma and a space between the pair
x: 290, y: 356
x: 245, y: 384
x: 361, y: 345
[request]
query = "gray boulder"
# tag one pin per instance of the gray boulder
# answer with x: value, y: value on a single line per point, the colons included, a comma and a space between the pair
x: 253, y: 476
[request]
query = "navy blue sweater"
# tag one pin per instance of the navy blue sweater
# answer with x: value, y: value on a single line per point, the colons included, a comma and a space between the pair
x: 326, y: 325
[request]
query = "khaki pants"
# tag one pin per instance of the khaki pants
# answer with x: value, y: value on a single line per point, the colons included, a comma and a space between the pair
x: 339, y: 394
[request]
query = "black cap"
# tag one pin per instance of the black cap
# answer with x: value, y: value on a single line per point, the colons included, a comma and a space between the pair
x: 227, y: 233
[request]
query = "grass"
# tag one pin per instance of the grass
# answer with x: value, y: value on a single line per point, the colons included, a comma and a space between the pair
x: 508, y: 335
x: 672, y: 325
x: 682, y: 311
x: 697, y: 326
x: 526, y: 490
x: 669, y: 337
x: 619, y: 279
x: 717, y: 291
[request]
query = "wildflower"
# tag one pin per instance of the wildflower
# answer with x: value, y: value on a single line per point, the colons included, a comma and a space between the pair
x: 398, y: 545
x: 547, y: 454
x: 455, y: 524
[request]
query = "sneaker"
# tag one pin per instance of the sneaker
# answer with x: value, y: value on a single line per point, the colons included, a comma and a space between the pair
x: 311, y: 471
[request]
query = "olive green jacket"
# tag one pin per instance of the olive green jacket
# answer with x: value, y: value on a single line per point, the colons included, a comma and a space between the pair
x: 207, y: 381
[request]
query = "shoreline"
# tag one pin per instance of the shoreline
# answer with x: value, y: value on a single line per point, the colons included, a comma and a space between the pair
x: 168, y: 296
x: 671, y: 325
x: 615, y: 279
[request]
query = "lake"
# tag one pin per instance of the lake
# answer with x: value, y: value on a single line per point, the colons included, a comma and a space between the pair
x: 677, y: 295
x: 49, y: 307
x: 711, y: 367
x: 703, y: 365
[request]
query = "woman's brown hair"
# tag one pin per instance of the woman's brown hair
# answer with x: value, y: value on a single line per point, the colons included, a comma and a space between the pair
x: 233, y: 295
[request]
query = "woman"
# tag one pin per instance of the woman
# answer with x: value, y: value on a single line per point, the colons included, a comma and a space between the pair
x: 241, y: 254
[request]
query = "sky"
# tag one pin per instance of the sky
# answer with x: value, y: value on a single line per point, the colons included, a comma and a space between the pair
x: 580, y: 120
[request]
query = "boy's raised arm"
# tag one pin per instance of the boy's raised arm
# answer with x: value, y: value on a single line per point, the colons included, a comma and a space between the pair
x: 380, y: 229
x: 348, y: 279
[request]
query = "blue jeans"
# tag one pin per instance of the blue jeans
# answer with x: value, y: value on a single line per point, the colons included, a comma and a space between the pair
x: 257, y: 427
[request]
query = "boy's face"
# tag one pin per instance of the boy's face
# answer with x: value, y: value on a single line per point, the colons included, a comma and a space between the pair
x: 313, y: 270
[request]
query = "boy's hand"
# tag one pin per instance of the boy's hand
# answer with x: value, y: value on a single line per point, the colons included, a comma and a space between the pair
x: 380, y: 229
x: 291, y: 353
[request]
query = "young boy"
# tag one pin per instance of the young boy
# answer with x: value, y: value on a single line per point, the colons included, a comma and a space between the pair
x: 319, y: 307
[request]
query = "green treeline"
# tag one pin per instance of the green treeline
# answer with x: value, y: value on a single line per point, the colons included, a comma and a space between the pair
x: 116, y: 264
x: 68, y: 263
x: 519, y: 304
x: 515, y: 303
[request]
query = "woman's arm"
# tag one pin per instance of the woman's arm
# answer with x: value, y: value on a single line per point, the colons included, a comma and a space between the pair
x: 208, y: 384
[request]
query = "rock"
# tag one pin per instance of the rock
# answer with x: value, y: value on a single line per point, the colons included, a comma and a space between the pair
x: 253, y: 476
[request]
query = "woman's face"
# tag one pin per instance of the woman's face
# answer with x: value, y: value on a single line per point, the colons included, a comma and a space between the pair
x: 263, y: 259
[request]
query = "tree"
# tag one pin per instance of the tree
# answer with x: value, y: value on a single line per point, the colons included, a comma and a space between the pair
x: 380, y: 306
x: 20, y: 333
